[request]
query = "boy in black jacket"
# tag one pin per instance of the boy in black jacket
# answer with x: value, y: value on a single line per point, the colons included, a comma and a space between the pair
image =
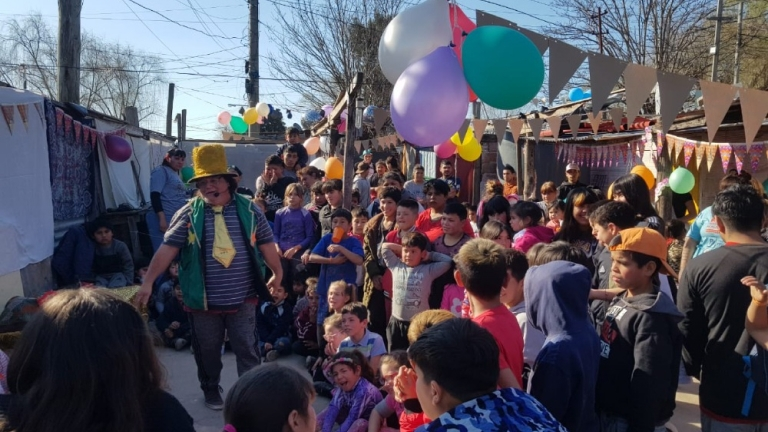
x: 174, y: 322
x: 640, y: 343
x: 273, y: 321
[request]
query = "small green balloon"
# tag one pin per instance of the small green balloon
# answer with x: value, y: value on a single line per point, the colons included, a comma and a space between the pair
x: 238, y: 125
x: 502, y: 66
x: 187, y: 173
x: 681, y: 181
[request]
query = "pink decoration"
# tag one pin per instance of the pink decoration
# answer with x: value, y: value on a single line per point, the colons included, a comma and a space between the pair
x: 445, y: 149
x: 67, y: 124
x: 59, y: 118
x: 86, y: 134
x: 342, y: 127
x: 740, y: 151
x: 624, y: 152
x: 725, y: 155
x: 755, y: 152
x: 78, y: 130
x: 224, y: 117
x: 117, y: 148
x: 688, y: 149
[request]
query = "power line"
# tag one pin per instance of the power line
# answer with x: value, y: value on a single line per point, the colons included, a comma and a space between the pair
x: 178, y: 23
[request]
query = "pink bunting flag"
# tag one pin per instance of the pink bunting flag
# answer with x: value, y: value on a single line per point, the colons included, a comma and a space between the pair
x: 711, y: 151
x: 67, y: 124
x: 86, y: 134
x: 755, y: 153
x: 725, y: 155
x: 624, y: 152
x: 558, y: 149
x: 700, y: 150
x: 740, y: 151
x: 78, y: 130
x: 39, y: 108
x: 59, y: 119
x: 23, y: 113
x: 8, y: 114
x: 688, y: 149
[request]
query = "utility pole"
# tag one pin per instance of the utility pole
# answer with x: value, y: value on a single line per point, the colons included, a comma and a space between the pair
x: 252, y: 82
x: 599, y: 17
x: 169, y: 112
x: 69, y: 50
x: 716, y: 48
x: 183, y: 124
x: 351, y: 135
x: 737, y: 67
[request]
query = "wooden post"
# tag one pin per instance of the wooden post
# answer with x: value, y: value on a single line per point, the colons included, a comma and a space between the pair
x: 183, y: 124
x: 349, y: 148
x: 178, y: 128
x: 253, y: 61
x: 169, y: 112
x: 664, y: 169
x: 69, y: 50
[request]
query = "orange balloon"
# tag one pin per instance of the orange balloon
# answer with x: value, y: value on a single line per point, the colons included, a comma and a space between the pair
x: 334, y: 169
x: 646, y: 174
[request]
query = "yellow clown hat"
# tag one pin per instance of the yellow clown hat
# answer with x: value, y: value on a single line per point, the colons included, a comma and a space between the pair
x: 208, y: 161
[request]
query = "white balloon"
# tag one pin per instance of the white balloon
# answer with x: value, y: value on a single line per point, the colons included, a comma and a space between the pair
x: 318, y: 163
x: 262, y: 108
x: 412, y: 34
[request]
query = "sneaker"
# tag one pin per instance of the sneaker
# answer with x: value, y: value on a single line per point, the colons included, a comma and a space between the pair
x: 179, y: 344
x: 213, y: 399
x: 272, y: 355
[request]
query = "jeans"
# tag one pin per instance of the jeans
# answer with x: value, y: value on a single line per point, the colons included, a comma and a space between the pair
x: 609, y: 423
x: 708, y: 424
x: 282, y: 346
x: 153, y: 228
x: 117, y: 280
x: 208, y: 337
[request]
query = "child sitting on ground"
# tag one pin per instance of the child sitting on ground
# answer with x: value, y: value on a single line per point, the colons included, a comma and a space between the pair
x: 174, y: 322
x: 513, y: 297
x: 359, y: 338
x: 354, y: 397
x: 300, y: 285
x: 273, y: 321
x: 564, y: 374
x: 639, y: 338
x: 112, y: 261
x: 390, y: 365
x: 306, y: 328
x: 333, y: 334
x: 525, y: 218
x: 481, y: 269
x: 412, y: 283
x: 284, y: 398
x: 164, y: 293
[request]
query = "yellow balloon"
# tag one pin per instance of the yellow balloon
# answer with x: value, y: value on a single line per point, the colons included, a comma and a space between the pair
x: 455, y: 139
x: 469, y: 137
x: 646, y: 174
x: 250, y: 116
x: 470, y: 151
x: 609, y: 194
x: 334, y: 169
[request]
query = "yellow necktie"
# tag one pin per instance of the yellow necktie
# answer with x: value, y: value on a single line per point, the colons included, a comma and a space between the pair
x: 223, y: 248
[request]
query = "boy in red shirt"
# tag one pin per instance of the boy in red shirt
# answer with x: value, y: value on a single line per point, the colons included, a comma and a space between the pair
x: 481, y: 269
x: 407, y: 213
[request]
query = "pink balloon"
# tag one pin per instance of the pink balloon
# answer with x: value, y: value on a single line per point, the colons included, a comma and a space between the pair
x: 445, y: 149
x: 117, y: 148
x: 344, y: 115
x: 312, y: 145
x: 342, y: 127
x: 327, y: 109
x: 224, y: 118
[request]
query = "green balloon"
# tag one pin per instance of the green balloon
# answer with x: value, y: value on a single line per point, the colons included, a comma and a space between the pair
x: 187, y: 173
x: 681, y: 181
x: 238, y: 125
x: 502, y: 66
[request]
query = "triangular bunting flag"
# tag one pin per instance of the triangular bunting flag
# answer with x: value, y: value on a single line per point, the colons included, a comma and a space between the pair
x: 711, y: 152
x: 39, y: 109
x: 699, y: 154
x: 755, y: 153
x: 617, y: 115
x: 59, y: 119
x: 594, y: 120
x: 673, y: 91
x: 515, y: 127
x: 463, y: 129
x: 555, y: 123
x: 604, y: 73
x: 486, y: 19
x: 670, y: 147
x: 725, y: 155
x: 380, y: 117
x: 638, y: 81
x: 358, y: 146
x: 479, y: 126
x: 23, y: 113
x: 718, y: 98
x: 535, y: 125
x: 500, y: 127
x: 740, y: 152
x: 558, y: 150
x: 86, y: 134
x: 678, y: 149
x: 574, y: 122
x: 67, y: 124
x: 688, y: 149
x: 8, y: 114
x: 373, y: 143
x: 564, y: 61
x: 78, y: 130
x: 754, y: 107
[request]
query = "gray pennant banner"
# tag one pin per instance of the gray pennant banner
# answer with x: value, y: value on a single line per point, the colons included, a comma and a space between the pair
x: 718, y: 98
x: 555, y: 122
x: 535, y: 124
x: 673, y: 91
x: 617, y: 115
x: 463, y: 130
x: 638, y: 81
x: 574, y: 122
x: 380, y: 117
x: 564, y: 61
x: 500, y: 128
x: 486, y: 19
x: 604, y: 73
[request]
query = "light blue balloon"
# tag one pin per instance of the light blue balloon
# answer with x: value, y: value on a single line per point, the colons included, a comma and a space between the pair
x: 576, y: 94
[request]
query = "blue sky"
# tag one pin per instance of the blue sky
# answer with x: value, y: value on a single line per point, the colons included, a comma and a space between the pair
x: 218, y: 67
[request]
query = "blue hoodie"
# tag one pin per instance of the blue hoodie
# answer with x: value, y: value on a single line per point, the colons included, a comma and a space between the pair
x: 565, y: 373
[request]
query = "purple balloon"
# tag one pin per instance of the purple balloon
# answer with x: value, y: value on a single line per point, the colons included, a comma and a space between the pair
x: 117, y: 148
x: 429, y: 101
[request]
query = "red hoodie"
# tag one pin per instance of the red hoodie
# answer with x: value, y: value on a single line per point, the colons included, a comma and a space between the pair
x: 531, y: 236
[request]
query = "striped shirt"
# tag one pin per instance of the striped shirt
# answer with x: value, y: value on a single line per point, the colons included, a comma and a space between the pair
x: 371, y: 345
x: 225, y: 288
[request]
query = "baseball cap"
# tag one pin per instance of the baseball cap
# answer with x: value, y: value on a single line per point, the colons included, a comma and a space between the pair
x: 366, y: 152
x: 572, y: 166
x: 645, y: 241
